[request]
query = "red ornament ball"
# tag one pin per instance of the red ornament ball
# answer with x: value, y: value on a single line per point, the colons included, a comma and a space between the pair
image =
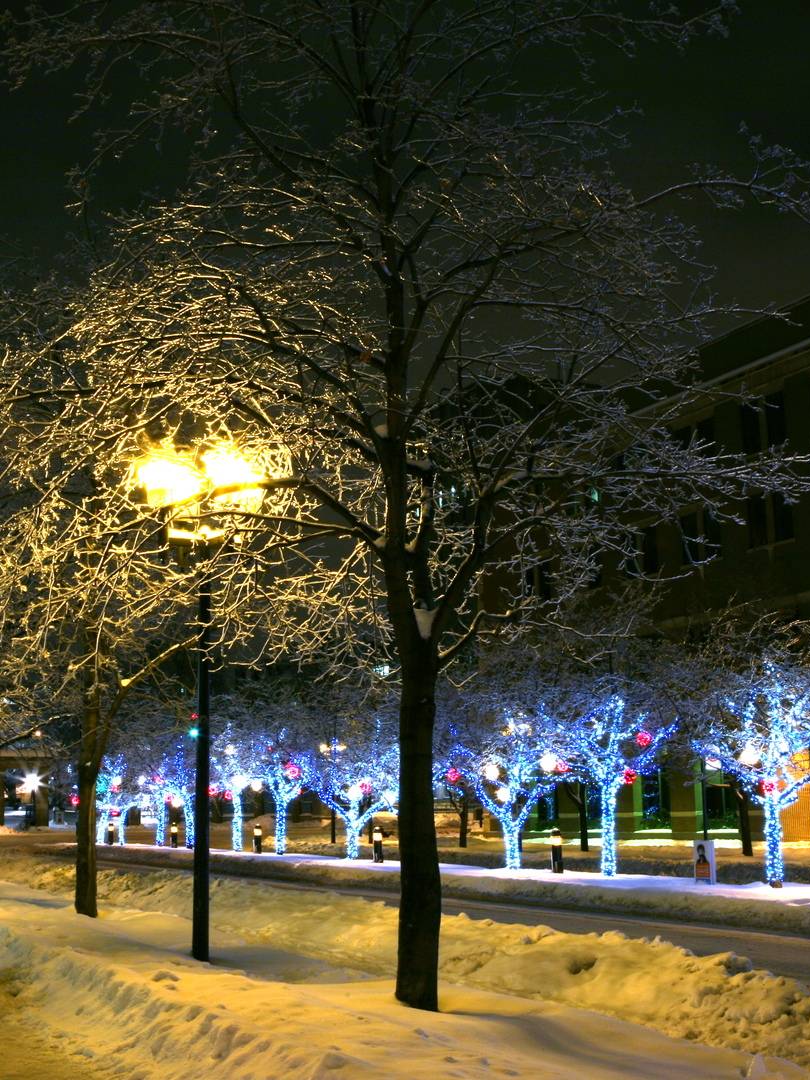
x: 452, y: 775
x: 630, y: 776
x: 293, y: 771
x: 562, y: 766
x: 643, y: 738
x: 365, y: 787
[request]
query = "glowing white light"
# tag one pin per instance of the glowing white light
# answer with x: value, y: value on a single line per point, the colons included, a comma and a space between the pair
x: 324, y: 748
x: 390, y: 796
x: 230, y: 749
x: 30, y: 782
x: 240, y: 781
x: 176, y: 802
x: 548, y: 762
x: 256, y: 785
x: 491, y: 771
x: 116, y: 781
x: 355, y: 792
x: 713, y: 763
x: 749, y: 755
x: 503, y: 794
x: 141, y: 780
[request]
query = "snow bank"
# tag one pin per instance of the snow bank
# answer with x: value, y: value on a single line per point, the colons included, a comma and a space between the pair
x: 119, y: 989
x: 717, y: 1000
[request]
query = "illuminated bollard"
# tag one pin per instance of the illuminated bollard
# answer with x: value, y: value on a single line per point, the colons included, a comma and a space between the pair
x: 110, y: 832
x: 257, y: 839
x: 556, y: 852
x: 173, y: 834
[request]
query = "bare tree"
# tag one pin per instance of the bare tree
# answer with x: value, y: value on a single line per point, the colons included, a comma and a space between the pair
x: 401, y: 254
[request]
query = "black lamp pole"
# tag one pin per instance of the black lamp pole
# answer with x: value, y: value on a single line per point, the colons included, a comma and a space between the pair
x: 202, y: 780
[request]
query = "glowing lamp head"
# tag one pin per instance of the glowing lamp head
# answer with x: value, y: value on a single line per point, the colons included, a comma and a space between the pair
x: 256, y: 785
x: 240, y: 781
x: 492, y: 771
x: 503, y: 794
x: 30, y: 782
x: 176, y: 802
x: 168, y: 478
x: 548, y: 761
x: 227, y: 467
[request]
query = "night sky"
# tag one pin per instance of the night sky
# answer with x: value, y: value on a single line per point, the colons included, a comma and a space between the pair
x: 693, y: 106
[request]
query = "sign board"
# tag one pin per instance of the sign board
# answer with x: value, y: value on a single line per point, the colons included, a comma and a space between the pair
x: 705, y: 867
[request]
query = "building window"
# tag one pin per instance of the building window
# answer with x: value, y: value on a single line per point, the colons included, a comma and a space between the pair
x: 762, y: 423
x: 701, y: 537
x: 650, y: 557
x: 702, y: 430
x: 537, y: 581
x: 770, y: 519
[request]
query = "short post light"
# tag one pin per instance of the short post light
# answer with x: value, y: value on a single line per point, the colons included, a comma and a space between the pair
x: 110, y: 832
x: 257, y: 839
x: 173, y: 834
x: 556, y: 852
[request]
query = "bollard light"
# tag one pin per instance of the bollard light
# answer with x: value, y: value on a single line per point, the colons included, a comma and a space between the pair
x: 257, y: 839
x: 110, y: 832
x: 556, y: 852
x: 173, y: 834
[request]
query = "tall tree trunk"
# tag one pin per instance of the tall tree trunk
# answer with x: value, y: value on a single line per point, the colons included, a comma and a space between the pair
x: 420, y: 900
x: 85, y: 899
x: 464, y: 817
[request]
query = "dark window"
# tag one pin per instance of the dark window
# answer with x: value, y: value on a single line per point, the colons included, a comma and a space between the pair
x: 704, y: 429
x: 682, y: 436
x: 749, y: 423
x: 538, y: 581
x: 757, y: 517
x: 712, y: 533
x: 775, y: 419
x: 782, y: 517
x: 650, y: 559
x: 689, y: 533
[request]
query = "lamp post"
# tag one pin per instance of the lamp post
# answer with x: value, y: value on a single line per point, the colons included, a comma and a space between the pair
x: 179, y: 483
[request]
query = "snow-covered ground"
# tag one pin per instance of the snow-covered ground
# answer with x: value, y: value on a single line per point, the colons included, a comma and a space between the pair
x: 301, y: 987
x: 754, y: 905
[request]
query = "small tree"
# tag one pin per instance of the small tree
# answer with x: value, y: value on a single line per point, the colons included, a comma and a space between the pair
x: 358, y: 782
x: 612, y: 745
x: 759, y: 734
x: 505, y: 773
x: 173, y: 785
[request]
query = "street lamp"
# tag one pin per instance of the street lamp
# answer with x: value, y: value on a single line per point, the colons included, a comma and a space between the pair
x: 194, y: 489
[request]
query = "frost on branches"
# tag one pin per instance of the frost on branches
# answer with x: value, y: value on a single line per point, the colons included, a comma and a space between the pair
x: 443, y: 309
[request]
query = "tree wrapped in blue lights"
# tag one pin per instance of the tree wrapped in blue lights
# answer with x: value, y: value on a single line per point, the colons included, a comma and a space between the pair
x: 760, y: 735
x: 612, y: 745
x: 236, y: 764
x: 503, y: 769
x: 173, y: 786
x: 357, y: 782
x: 286, y: 772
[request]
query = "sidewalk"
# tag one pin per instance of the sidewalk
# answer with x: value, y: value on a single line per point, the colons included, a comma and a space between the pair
x: 754, y: 905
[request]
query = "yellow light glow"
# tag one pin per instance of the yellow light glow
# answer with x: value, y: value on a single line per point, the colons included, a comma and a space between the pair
x: 226, y: 467
x: 168, y: 479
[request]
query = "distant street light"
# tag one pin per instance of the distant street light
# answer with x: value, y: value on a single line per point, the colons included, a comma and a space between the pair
x: 196, y: 489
